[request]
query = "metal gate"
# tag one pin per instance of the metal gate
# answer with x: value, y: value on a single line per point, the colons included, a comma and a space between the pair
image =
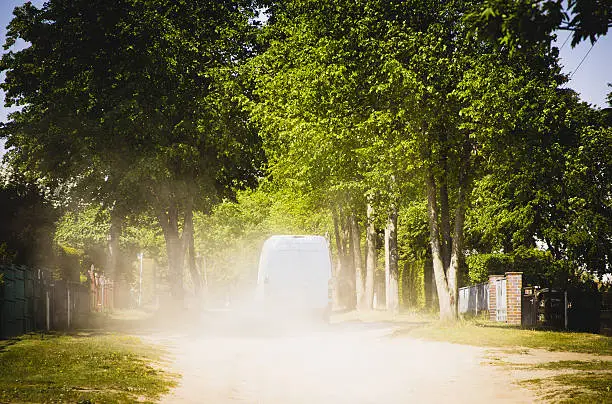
x: 501, y: 309
x: 529, y: 307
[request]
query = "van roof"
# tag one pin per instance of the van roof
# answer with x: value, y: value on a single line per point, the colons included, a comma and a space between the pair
x: 289, y: 240
x: 296, y: 236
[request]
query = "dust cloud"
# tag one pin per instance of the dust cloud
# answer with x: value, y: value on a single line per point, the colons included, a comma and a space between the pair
x: 241, y: 355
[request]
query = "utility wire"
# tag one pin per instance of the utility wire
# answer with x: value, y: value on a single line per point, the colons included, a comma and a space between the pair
x: 566, y: 39
x: 580, y: 64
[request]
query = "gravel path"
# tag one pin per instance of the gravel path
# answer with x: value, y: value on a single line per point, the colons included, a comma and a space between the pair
x: 340, y: 363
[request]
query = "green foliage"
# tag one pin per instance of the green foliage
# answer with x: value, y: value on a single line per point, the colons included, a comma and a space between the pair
x: 413, y: 250
x: 518, y: 24
x: 588, y: 179
x: 6, y: 256
x: 84, y: 233
x: 480, y: 266
x: 141, y: 233
x: 412, y: 291
x: 68, y: 264
x: 538, y: 267
x: 88, y: 227
x: 231, y: 237
x: 27, y: 222
x: 413, y: 231
x: 314, y: 95
x: 551, y: 194
x: 134, y: 105
x: 95, y: 126
x: 145, y: 111
x: 351, y: 95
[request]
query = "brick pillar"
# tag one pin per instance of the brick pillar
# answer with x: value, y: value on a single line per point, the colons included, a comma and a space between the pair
x: 493, y: 296
x: 514, y: 287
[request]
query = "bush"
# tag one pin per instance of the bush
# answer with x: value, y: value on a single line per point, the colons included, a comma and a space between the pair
x: 538, y: 267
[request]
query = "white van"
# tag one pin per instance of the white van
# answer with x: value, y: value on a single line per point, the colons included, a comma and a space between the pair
x: 294, y: 276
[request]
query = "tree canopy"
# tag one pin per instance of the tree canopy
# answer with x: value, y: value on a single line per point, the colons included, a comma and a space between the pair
x: 518, y: 23
x: 135, y: 103
x: 346, y: 117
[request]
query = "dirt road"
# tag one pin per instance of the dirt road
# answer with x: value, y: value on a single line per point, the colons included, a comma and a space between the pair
x: 341, y: 363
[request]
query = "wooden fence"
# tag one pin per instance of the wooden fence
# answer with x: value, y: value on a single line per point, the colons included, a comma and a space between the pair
x: 32, y: 300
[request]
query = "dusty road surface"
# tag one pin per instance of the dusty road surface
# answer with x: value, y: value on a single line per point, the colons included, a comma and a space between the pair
x: 348, y: 362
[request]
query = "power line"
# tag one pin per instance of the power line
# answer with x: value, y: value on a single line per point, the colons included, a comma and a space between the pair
x: 566, y: 39
x: 580, y: 64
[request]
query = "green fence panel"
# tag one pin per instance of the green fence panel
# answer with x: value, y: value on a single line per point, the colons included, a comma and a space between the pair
x: 26, y: 294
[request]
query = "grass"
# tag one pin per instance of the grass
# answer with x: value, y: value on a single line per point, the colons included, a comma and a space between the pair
x: 577, y: 365
x: 575, y: 381
x: 482, y: 334
x: 584, y: 387
x: 81, y: 368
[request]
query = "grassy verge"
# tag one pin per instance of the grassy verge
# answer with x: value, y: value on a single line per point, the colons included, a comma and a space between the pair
x: 581, y: 382
x: 588, y: 381
x: 482, y: 334
x: 81, y: 368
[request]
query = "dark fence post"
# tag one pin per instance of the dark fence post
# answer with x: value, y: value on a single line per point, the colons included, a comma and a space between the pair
x: 529, y: 303
x: 2, y: 299
x: 605, y: 314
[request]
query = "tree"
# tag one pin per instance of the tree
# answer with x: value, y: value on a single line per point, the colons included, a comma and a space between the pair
x: 588, y: 175
x: 385, y: 77
x: 391, y: 263
x: 86, y: 228
x: 306, y: 108
x: 519, y: 23
x: 28, y: 222
x: 415, y: 256
x: 136, y: 101
x: 549, y: 196
x: 230, y: 238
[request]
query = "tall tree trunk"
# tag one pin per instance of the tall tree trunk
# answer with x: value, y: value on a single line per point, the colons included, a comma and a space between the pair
x: 444, y: 216
x: 370, y: 259
x: 429, y: 280
x: 445, y: 225
x: 348, y: 281
x: 457, y: 238
x: 169, y: 222
x: 391, y: 262
x: 196, y: 277
x: 120, y: 289
x: 339, y: 272
x: 115, y: 230
x: 448, y: 305
x: 357, y: 261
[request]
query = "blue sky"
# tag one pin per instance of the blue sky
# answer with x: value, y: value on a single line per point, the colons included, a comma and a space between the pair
x: 590, y: 80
